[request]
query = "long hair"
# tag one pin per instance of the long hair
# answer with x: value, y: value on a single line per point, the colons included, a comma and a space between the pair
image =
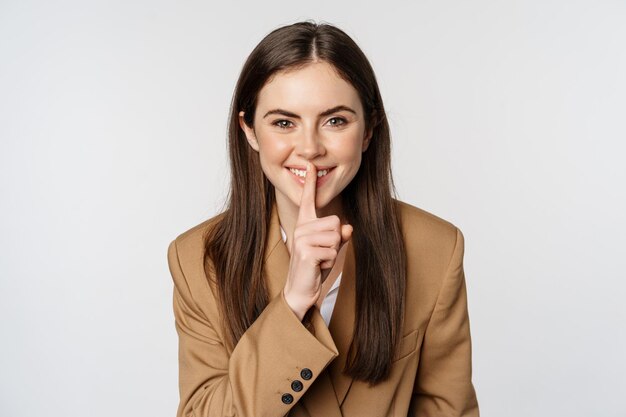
x: 237, y: 263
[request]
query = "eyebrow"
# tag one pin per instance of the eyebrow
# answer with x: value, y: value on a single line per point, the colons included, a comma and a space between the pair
x: 322, y: 114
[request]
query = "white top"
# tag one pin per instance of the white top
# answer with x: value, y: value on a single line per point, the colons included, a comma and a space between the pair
x: 329, y: 301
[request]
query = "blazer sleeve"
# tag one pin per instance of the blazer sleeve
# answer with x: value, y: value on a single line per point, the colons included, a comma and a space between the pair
x: 255, y: 380
x: 443, y: 384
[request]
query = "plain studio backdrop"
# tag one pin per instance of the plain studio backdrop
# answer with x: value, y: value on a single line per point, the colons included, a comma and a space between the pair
x: 507, y: 118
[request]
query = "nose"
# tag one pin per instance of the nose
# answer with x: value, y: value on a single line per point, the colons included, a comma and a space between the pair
x: 310, y: 145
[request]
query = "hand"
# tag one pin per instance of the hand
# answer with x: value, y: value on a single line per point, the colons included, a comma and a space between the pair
x: 314, y: 249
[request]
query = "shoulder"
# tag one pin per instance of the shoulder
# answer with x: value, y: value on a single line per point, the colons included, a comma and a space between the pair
x: 430, y: 241
x: 192, y: 240
x: 419, y: 224
x: 185, y: 252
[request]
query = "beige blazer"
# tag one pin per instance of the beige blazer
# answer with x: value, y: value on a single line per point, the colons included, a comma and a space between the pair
x: 279, y: 367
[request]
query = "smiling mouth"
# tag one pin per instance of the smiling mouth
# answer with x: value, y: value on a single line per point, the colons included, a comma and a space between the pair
x: 302, y: 173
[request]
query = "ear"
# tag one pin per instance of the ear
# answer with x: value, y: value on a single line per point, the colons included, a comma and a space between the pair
x: 366, y: 139
x: 249, y: 132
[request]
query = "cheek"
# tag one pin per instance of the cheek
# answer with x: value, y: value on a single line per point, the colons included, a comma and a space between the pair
x: 273, y: 150
x: 348, y: 149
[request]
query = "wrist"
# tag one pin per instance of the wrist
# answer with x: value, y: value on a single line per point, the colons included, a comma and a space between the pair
x: 297, y: 306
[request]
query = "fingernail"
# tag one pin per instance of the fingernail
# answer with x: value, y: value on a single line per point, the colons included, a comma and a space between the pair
x: 308, y: 166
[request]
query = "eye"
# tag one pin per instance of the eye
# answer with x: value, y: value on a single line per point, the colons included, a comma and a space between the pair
x: 283, y: 124
x: 339, y: 121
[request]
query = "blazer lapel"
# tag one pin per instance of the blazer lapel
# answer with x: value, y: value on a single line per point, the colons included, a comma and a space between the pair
x: 276, y: 265
x: 341, y: 324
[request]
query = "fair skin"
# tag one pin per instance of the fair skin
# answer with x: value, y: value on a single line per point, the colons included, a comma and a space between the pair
x: 310, y: 115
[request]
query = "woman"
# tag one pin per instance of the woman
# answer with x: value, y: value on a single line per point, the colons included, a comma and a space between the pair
x: 315, y: 292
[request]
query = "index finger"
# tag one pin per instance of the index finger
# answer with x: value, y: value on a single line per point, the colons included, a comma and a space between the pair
x: 307, y: 201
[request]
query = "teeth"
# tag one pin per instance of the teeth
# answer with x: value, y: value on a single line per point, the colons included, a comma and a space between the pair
x: 303, y: 173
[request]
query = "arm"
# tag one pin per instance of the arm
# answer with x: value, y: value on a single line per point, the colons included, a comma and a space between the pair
x: 252, y: 380
x: 443, y: 385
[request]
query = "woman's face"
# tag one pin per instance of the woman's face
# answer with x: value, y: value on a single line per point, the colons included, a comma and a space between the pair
x: 309, y: 114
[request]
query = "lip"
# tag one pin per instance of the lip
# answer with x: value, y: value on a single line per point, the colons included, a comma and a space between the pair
x: 303, y: 168
x: 320, y: 180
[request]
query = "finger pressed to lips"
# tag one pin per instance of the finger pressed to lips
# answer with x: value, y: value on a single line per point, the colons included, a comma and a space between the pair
x: 321, y: 180
x: 307, y: 201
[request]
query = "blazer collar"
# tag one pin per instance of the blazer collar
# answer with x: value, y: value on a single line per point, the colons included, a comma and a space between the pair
x: 341, y: 325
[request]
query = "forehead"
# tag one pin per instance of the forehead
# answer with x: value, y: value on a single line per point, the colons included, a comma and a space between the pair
x: 314, y: 87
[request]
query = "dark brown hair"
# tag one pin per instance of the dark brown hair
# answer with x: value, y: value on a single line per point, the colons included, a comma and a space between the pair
x: 368, y: 203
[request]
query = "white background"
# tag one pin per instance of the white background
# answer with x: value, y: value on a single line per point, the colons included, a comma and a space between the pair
x: 507, y: 117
